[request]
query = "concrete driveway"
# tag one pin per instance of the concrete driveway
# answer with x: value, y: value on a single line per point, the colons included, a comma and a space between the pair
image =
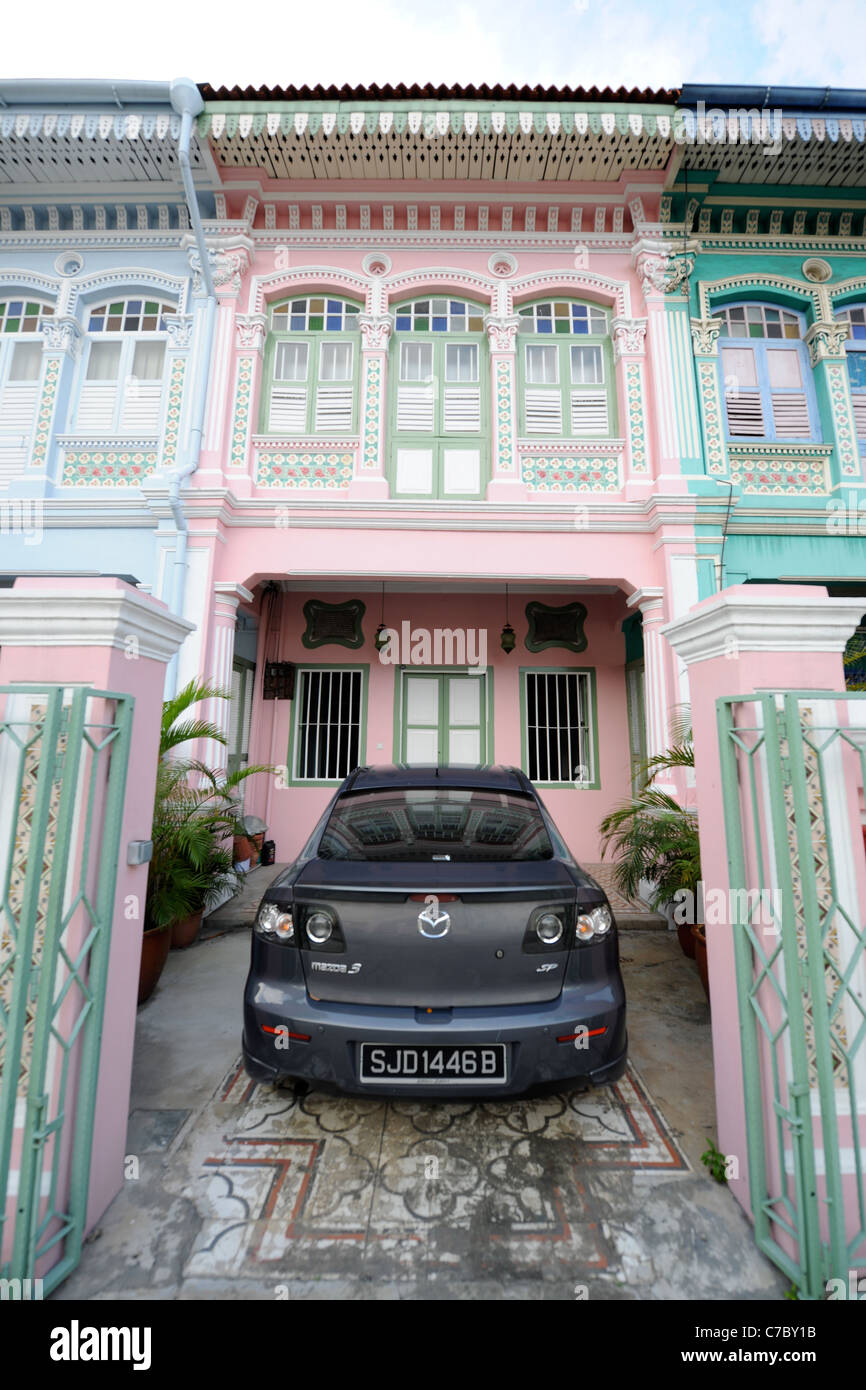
x: 243, y: 1191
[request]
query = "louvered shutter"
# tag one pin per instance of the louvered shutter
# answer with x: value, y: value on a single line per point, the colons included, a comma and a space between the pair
x: 589, y: 413
x: 96, y: 406
x: 543, y: 412
x: 333, y: 408
x: 745, y: 415
x: 462, y: 409
x: 415, y: 409
x: 141, y: 410
x: 288, y: 410
x: 790, y: 415
x: 859, y: 404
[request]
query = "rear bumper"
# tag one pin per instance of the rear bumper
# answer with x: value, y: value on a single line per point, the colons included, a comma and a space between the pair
x: 536, y: 1061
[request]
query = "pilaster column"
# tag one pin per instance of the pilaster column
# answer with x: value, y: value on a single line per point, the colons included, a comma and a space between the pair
x: 221, y: 648
x: 230, y: 259
x: 705, y: 345
x: 650, y: 603
x: 249, y: 345
x: 61, y: 349
x: 664, y: 269
x: 179, y: 328
x: 825, y: 340
x: 505, y: 463
x: 369, y: 479
x: 629, y: 352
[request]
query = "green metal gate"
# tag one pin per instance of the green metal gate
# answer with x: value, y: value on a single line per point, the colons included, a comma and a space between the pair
x: 793, y: 769
x: 63, y: 761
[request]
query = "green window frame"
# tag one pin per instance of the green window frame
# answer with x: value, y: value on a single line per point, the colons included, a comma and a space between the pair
x: 565, y: 371
x: 21, y: 366
x: 312, y: 368
x: 328, y: 728
x: 559, y: 726
x: 439, y: 409
x: 635, y: 694
x: 443, y: 724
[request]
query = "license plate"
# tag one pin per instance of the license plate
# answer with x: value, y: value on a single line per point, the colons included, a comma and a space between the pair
x: 427, y: 1065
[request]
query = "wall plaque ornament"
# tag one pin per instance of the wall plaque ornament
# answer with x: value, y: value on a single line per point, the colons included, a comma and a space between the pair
x: 555, y: 627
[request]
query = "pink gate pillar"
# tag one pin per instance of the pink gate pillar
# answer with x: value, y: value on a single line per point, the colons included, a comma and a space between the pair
x: 747, y: 639
x: 103, y: 633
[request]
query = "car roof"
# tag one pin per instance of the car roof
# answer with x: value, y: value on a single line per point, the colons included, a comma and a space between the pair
x: 489, y: 776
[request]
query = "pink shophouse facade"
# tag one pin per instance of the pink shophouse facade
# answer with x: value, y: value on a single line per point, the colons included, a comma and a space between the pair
x: 436, y: 409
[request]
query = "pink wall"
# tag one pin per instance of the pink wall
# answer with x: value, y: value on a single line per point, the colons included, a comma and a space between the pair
x: 83, y: 656
x: 291, y: 812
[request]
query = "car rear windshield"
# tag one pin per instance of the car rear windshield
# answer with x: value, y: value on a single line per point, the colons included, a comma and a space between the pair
x: 442, y: 823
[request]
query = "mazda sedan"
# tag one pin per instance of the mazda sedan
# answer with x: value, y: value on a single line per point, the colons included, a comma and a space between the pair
x: 435, y: 937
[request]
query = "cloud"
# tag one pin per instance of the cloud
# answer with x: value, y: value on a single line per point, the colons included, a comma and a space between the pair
x: 813, y: 47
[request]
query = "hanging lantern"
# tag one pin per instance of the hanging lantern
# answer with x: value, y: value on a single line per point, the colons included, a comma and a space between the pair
x: 507, y: 637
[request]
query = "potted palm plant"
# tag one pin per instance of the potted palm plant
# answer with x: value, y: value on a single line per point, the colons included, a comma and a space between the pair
x: 195, y: 810
x: 653, y: 838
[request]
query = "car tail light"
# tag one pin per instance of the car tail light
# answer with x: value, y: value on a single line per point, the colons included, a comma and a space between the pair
x: 581, y: 1033
x: 593, y: 923
x: 549, y: 928
x: 276, y: 923
x: 319, y: 927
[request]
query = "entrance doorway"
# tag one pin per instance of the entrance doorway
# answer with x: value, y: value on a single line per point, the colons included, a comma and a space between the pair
x: 443, y: 717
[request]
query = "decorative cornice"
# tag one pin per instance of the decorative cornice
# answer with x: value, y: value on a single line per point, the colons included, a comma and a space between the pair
x: 66, y: 617
x: 179, y: 330
x: 502, y: 331
x: 376, y: 330
x: 250, y: 330
x: 705, y: 336
x: 629, y: 338
x: 826, y: 340
x: 664, y: 268
x: 757, y: 622
x: 229, y: 262
x: 62, y: 335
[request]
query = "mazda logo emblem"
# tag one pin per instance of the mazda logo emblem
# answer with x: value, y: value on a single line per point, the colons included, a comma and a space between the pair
x: 433, y: 923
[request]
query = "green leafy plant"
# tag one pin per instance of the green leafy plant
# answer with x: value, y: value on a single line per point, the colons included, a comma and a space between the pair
x: 196, y: 810
x: 651, y: 836
x: 715, y: 1162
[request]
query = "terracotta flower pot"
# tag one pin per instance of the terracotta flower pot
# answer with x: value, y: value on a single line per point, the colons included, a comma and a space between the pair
x: 155, y: 946
x: 184, y: 933
x: 686, y: 940
x: 700, y: 939
x: 243, y: 849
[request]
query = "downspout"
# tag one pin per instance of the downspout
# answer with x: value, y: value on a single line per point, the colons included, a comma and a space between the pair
x: 187, y: 101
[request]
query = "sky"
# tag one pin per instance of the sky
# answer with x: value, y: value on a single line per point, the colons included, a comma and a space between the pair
x: 643, y: 43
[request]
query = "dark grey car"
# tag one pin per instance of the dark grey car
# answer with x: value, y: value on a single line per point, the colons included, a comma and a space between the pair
x: 435, y: 937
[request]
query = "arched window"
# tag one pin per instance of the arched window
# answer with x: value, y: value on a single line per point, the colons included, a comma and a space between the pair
x: 20, y: 371
x: 439, y: 402
x: 566, y: 370
x: 855, y: 351
x: 766, y: 376
x: 311, y: 367
x: 123, y: 367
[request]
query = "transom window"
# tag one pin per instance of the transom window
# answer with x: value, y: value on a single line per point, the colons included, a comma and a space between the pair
x: 130, y: 316
x: 767, y: 381
x: 758, y: 321
x: 316, y: 316
x: 439, y: 410
x: 22, y: 315
x: 121, y: 383
x: 20, y: 372
x: 562, y: 316
x: 439, y: 316
x: 566, y: 387
x: 855, y: 352
x: 311, y: 372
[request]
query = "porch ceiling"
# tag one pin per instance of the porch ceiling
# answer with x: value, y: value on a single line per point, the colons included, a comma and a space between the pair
x: 420, y: 586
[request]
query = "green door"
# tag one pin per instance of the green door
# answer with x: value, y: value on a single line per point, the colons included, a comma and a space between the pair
x: 444, y: 718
